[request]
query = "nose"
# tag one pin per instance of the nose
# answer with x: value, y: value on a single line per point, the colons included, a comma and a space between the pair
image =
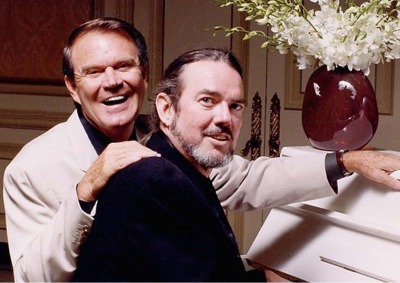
x: 223, y: 115
x: 111, y: 78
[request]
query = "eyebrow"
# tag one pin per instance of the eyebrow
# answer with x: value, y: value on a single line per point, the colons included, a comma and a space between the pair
x: 216, y: 93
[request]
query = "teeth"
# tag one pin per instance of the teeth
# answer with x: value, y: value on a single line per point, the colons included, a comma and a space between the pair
x: 220, y: 137
x: 115, y: 98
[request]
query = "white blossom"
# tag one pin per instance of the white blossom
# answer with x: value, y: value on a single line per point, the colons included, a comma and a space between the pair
x: 339, y: 33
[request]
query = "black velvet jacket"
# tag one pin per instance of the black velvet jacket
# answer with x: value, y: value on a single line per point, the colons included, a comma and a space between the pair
x: 160, y: 220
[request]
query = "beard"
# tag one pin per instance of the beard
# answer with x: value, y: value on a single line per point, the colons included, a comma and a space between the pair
x: 200, y: 154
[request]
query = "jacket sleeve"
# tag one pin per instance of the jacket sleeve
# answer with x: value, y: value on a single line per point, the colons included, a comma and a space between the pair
x: 270, y: 182
x: 44, y: 230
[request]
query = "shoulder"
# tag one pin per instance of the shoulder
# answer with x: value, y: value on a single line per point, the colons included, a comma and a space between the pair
x: 153, y: 184
x: 153, y: 178
x: 151, y: 170
x: 46, y: 150
x: 55, y: 137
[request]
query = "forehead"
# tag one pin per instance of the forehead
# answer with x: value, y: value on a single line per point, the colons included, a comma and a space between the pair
x: 103, y: 47
x: 216, y: 76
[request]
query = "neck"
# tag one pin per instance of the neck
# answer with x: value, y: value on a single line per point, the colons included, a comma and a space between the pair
x: 119, y: 134
x: 204, y: 171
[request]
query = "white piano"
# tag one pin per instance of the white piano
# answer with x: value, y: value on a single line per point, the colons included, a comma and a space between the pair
x: 354, y: 236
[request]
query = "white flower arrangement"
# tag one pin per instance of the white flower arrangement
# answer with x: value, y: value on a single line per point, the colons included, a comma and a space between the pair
x: 339, y: 34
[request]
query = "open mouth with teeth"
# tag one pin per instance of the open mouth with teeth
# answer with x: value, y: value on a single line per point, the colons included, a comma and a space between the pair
x: 219, y: 137
x: 115, y: 100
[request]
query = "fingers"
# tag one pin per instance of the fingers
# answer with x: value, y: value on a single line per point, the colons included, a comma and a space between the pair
x: 374, y: 165
x: 117, y: 156
x: 384, y: 178
x: 394, y: 180
x: 133, y: 147
x: 114, y: 158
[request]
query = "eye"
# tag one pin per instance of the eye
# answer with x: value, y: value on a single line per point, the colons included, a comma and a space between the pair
x: 126, y: 66
x: 237, y: 108
x: 206, y: 101
x: 93, y: 73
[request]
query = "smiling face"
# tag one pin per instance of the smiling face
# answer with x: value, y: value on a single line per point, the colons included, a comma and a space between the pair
x: 109, y: 84
x: 206, y: 124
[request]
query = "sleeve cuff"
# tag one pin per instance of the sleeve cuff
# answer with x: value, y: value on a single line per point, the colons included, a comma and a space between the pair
x: 333, y: 172
x: 87, y: 206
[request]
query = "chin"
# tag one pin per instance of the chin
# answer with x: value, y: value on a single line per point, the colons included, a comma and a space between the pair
x: 122, y: 120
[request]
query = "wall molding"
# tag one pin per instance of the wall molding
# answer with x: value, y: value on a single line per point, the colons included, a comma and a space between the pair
x: 2, y: 221
x: 241, y: 50
x: 155, y: 42
x: 30, y: 119
x: 46, y: 90
x: 9, y: 150
x: 122, y: 9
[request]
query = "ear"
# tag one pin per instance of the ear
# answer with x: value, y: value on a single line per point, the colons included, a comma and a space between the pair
x: 71, y: 86
x: 165, y: 109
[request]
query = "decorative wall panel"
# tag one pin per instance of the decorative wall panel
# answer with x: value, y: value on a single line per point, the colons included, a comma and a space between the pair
x: 33, y: 35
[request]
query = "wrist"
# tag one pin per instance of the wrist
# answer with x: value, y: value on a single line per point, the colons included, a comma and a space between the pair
x: 340, y: 163
x: 84, y: 194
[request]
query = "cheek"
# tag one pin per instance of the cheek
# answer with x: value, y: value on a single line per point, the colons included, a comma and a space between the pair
x: 87, y: 91
x: 191, y: 126
x: 200, y: 125
x: 194, y: 121
x: 135, y: 80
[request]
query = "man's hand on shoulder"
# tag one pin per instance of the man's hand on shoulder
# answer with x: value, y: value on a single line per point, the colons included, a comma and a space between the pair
x: 114, y: 158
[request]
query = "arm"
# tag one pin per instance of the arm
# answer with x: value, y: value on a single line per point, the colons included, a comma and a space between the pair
x: 44, y: 232
x: 45, y: 223
x: 266, y: 182
x: 269, y: 182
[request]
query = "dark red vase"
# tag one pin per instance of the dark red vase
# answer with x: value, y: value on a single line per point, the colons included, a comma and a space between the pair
x: 339, y: 109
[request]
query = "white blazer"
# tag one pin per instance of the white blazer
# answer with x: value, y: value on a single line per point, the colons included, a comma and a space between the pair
x: 45, y: 225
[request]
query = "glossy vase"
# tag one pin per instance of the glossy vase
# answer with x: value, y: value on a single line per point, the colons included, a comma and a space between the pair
x: 339, y: 109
